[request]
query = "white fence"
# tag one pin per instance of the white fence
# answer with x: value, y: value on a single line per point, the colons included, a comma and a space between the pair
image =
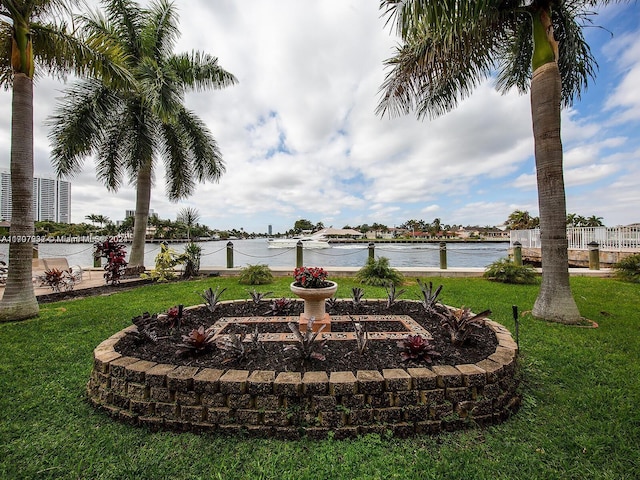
x: 612, y: 239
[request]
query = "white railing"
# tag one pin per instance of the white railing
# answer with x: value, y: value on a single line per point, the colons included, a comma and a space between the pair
x: 613, y: 239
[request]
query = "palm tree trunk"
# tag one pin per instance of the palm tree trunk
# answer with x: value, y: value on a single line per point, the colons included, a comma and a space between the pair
x: 19, y: 301
x: 143, y: 199
x: 555, y: 301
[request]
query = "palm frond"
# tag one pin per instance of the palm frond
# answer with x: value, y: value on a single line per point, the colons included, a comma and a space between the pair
x: 576, y: 63
x: 180, y: 182
x: 205, y: 155
x: 201, y: 71
x: 161, y: 30
x: 515, y: 58
x: 60, y: 52
x: 77, y: 124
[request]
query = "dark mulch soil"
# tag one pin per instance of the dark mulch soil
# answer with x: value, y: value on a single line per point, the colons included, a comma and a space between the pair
x: 340, y: 355
x: 80, y: 292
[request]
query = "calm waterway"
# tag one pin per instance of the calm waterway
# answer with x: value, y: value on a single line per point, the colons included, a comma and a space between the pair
x: 252, y: 252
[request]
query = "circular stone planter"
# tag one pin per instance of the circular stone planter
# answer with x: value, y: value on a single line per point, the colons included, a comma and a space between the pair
x: 403, y: 401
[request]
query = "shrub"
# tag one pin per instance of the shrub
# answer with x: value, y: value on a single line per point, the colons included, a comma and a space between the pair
x: 255, y: 275
x: 506, y: 271
x: 191, y: 258
x: 115, y: 254
x: 628, y: 269
x: 378, y: 272
x: 165, y: 262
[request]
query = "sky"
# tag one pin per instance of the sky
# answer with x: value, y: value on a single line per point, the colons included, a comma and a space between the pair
x: 300, y: 138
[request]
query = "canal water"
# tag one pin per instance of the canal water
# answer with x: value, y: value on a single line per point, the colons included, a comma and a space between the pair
x: 256, y: 251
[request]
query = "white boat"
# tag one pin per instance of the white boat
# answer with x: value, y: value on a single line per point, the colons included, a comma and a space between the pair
x: 312, y: 242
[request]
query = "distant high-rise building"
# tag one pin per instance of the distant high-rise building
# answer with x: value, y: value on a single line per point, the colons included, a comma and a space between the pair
x: 51, y: 198
x: 270, y: 230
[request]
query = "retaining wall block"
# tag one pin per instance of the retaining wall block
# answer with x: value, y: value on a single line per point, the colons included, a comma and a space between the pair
x: 472, y: 375
x: 423, y: 378
x: 370, y: 381
x: 207, y: 380
x: 137, y: 391
x: 429, y: 397
x: 235, y: 400
x: 161, y: 394
x: 448, y: 376
x: 323, y: 402
x: 406, y: 398
x: 213, y: 399
x: 103, y: 358
x: 189, y: 398
x: 181, y: 378
x: 396, y: 379
x: 260, y: 382
x: 141, y: 407
x: 156, y: 376
x: 234, y: 381
x: 135, y: 372
x: 353, y: 401
x: 166, y: 410
x: 267, y: 402
x: 315, y: 383
x: 117, y: 367
x: 493, y: 370
x: 342, y: 383
x: 288, y: 384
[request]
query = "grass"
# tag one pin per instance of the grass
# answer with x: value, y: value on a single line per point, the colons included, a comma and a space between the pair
x: 580, y: 416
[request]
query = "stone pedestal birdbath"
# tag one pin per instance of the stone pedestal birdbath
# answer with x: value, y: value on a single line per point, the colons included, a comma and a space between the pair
x: 314, y: 305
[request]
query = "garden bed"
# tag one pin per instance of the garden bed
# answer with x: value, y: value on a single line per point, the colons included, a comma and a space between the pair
x: 270, y: 393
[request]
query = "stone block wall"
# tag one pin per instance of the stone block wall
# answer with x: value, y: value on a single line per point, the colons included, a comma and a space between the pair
x: 292, y: 404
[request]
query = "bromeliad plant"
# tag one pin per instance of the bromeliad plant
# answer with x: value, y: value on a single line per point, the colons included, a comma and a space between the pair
x: 198, y: 341
x: 212, y: 297
x: 417, y: 348
x: 306, y: 346
x: 460, y: 323
x: 310, y: 277
x: 280, y: 306
x: 429, y: 300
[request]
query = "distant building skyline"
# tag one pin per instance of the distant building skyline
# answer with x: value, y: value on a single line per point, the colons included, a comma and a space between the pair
x: 51, y: 198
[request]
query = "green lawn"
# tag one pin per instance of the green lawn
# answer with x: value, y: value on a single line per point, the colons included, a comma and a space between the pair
x: 580, y: 417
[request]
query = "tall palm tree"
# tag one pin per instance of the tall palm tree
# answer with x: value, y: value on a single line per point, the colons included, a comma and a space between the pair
x: 129, y: 128
x: 33, y: 34
x: 450, y: 46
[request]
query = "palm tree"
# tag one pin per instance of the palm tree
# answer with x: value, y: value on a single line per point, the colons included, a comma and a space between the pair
x: 520, y: 220
x: 97, y: 218
x: 130, y: 128
x: 449, y: 47
x: 33, y: 33
x: 189, y: 216
x: 593, y: 221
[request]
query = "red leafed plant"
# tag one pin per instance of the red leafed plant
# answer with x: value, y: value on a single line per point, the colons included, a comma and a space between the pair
x: 416, y: 347
x: 197, y: 341
x: 310, y: 277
